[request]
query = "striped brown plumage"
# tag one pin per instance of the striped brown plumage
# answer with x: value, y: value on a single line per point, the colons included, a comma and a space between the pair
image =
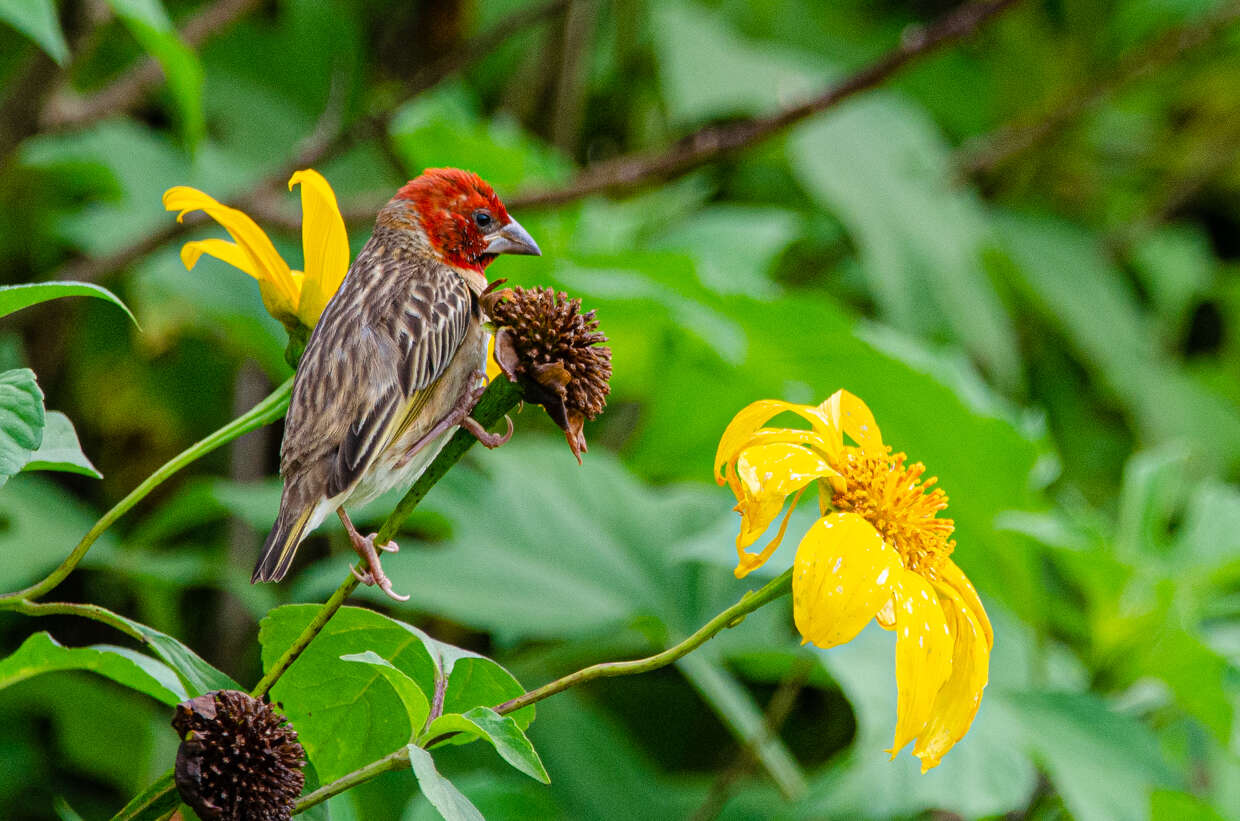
x: 396, y: 350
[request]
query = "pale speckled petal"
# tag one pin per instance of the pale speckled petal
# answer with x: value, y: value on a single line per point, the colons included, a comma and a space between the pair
x: 923, y: 655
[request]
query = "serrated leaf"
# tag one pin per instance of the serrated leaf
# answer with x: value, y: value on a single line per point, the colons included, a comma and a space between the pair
x: 443, y: 795
x: 40, y: 653
x: 417, y: 708
x: 15, y: 297
x: 21, y: 420
x: 37, y: 20
x: 503, y: 733
x: 60, y: 449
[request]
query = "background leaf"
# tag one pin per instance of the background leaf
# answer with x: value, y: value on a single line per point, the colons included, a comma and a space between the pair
x: 60, y: 449
x: 21, y: 420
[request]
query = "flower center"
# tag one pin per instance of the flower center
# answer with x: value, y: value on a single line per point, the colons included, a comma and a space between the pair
x: 892, y: 496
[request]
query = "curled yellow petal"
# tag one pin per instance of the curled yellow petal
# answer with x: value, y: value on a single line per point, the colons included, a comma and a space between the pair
x: 842, y: 575
x: 957, y: 701
x: 951, y: 574
x: 754, y: 416
x: 748, y: 562
x: 923, y: 655
x: 266, y: 265
x: 847, y: 413
x: 324, y: 243
x: 765, y: 475
x: 221, y: 249
x: 493, y: 368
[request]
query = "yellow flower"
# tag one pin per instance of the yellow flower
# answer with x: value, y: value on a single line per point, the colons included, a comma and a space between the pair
x: 879, y: 551
x: 293, y: 297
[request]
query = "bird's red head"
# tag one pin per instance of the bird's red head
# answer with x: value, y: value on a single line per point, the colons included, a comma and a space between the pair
x: 465, y: 223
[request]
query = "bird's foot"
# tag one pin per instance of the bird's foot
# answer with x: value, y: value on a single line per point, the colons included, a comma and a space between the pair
x: 366, y: 548
x: 484, y: 436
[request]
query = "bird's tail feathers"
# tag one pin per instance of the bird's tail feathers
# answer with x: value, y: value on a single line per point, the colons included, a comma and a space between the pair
x: 281, y: 545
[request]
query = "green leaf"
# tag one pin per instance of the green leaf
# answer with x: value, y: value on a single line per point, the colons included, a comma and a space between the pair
x: 156, y: 801
x: 15, y: 297
x: 21, y: 420
x: 417, y: 708
x: 40, y: 653
x: 346, y: 714
x: 451, y: 802
x: 60, y: 449
x: 1105, y: 765
x: 197, y: 674
x: 503, y: 733
x: 882, y: 167
x: 148, y: 22
x: 1068, y: 277
x: 1171, y: 805
x: 37, y: 20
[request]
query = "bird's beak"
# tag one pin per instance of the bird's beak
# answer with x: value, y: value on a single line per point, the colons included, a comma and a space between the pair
x: 513, y: 239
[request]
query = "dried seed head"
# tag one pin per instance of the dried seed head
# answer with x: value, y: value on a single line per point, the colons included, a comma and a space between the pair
x: 238, y: 758
x: 544, y: 342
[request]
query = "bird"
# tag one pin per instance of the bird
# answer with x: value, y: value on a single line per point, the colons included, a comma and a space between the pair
x: 394, y: 365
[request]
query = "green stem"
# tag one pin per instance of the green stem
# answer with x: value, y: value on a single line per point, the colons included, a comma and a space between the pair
x: 86, y: 611
x: 398, y: 760
x: 501, y: 396
x: 731, y: 617
x: 265, y: 412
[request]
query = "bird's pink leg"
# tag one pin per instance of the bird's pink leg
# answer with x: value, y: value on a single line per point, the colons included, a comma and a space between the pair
x: 365, y: 547
x: 459, y: 415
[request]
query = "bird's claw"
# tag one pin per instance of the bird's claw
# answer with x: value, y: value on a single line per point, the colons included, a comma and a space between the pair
x: 488, y: 439
x: 365, y: 547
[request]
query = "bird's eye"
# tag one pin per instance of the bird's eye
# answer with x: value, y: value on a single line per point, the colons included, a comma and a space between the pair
x: 482, y: 219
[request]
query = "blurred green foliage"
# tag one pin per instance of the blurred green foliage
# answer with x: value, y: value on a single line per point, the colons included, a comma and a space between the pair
x: 1051, y: 327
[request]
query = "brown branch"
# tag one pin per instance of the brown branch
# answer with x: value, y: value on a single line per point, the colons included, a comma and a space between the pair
x: 713, y: 142
x: 68, y: 110
x: 320, y: 146
x: 984, y: 154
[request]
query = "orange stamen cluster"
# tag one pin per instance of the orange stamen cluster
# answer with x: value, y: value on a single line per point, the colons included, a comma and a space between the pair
x: 903, y: 508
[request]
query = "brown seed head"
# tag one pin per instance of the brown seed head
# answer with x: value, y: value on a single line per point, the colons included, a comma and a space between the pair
x: 544, y: 342
x: 238, y: 758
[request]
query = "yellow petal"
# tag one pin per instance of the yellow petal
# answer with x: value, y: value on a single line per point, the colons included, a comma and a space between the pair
x: 221, y: 249
x: 267, y: 266
x: 748, y: 562
x: 753, y: 417
x: 923, y: 655
x: 951, y: 574
x: 886, y: 615
x: 842, y: 575
x: 957, y: 702
x: 765, y: 476
x: 324, y: 243
x: 845, y: 412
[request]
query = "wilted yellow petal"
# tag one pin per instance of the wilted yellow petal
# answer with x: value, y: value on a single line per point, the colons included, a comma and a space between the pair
x: 957, y: 702
x: 324, y: 243
x: 954, y: 577
x: 748, y: 562
x: 753, y: 417
x: 765, y: 476
x: 267, y: 266
x: 923, y: 655
x: 845, y: 412
x: 842, y: 575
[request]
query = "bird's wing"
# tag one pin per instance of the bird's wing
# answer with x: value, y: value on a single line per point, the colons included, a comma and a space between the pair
x: 376, y: 361
x: 425, y: 333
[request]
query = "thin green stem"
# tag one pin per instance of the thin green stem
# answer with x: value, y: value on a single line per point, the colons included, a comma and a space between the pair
x: 501, y: 396
x: 731, y: 617
x: 265, y: 412
x: 398, y: 760
x: 86, y: 611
